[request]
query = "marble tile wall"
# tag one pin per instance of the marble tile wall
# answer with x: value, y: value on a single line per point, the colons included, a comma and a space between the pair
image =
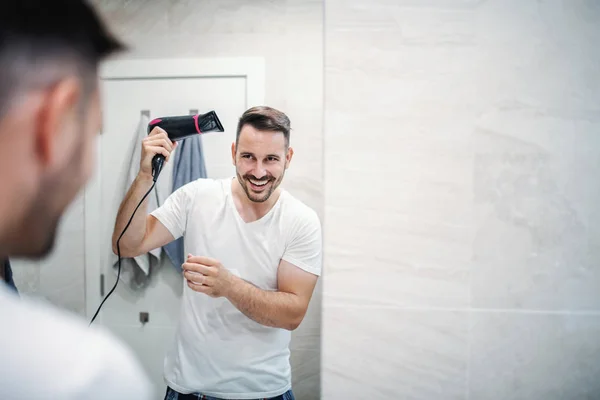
x: 461, y: 199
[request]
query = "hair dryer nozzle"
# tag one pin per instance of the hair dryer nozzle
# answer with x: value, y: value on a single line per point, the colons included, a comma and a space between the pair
x: 210, y: 123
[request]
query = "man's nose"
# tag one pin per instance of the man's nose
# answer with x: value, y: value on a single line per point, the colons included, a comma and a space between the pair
x: 259, y: 170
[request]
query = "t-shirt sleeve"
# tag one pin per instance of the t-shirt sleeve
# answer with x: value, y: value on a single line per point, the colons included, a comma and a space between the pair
x: 173, y: 213
x: 304, y: 249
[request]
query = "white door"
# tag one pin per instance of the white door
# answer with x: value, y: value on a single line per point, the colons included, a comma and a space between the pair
x: 164, y: 88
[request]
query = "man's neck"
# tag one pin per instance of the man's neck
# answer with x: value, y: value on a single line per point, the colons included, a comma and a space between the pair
x: 251, y: 210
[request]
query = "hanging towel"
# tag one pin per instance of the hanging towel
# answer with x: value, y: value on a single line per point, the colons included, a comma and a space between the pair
x: 188, y: 166
x: 136, y: 271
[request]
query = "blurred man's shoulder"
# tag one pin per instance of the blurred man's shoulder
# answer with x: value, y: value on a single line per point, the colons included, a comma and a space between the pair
x: 44, y: 347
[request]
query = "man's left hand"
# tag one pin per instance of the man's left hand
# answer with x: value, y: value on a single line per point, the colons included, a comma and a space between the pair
x: 207, y: 275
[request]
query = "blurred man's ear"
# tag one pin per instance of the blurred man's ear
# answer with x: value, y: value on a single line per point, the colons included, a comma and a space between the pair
x: 58, y: 110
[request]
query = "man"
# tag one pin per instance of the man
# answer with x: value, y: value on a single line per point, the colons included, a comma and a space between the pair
x: 49, y: 119
x: 254, y: 259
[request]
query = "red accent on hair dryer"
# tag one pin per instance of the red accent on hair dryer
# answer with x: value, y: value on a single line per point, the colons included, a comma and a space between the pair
x: 181, y: 127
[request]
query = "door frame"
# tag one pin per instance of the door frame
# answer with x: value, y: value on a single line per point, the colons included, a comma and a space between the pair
x: 252, y: 69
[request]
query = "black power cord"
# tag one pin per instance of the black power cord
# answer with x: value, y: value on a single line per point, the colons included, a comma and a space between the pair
x: 119, y: 249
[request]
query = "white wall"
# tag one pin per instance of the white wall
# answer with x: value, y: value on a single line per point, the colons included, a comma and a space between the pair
x: 462, y: 155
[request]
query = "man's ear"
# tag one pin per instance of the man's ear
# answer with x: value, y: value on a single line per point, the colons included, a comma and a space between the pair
x: 233, y: 153
x: 57, y: 110
x: 288, y: 157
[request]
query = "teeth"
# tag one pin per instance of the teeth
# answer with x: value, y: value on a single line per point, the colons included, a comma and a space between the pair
x: 258, y: 183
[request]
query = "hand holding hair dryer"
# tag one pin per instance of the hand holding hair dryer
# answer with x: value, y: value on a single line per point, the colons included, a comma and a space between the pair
x: 181, y: 127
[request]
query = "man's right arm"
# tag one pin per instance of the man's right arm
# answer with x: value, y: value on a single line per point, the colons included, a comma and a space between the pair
x: 145, y: 232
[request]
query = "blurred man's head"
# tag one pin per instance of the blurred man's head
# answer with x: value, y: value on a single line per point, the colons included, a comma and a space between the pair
x: 49, y: 115
x: 261, y: 152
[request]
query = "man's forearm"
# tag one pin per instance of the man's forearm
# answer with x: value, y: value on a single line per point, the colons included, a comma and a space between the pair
x: 136, y: 231
x: 275, y: 309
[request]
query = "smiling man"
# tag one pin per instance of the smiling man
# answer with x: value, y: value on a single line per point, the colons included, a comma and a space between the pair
x: 254, y: 259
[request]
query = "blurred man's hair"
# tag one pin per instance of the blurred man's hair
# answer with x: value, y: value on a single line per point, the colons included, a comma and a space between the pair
x: 43, y: 41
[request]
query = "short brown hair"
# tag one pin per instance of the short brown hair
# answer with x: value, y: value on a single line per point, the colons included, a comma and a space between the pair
x: 265, y: 118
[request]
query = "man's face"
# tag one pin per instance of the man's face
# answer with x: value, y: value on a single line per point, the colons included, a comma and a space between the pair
x: 64, y: 178
x: 260, y: 159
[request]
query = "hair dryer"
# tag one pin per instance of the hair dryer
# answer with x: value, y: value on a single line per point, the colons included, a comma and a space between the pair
x: 181, y: 127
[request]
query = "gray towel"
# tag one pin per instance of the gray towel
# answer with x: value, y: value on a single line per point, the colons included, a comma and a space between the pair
x: 188, y: 166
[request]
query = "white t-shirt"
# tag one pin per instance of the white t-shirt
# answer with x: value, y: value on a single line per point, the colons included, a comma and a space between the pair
x: 46, y: 353
x: 218, y: 351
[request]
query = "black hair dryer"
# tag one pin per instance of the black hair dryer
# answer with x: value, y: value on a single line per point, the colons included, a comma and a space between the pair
x: 181, y: 127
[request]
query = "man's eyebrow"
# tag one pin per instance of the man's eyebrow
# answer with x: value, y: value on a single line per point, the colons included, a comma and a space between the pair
x: 251, y: 154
